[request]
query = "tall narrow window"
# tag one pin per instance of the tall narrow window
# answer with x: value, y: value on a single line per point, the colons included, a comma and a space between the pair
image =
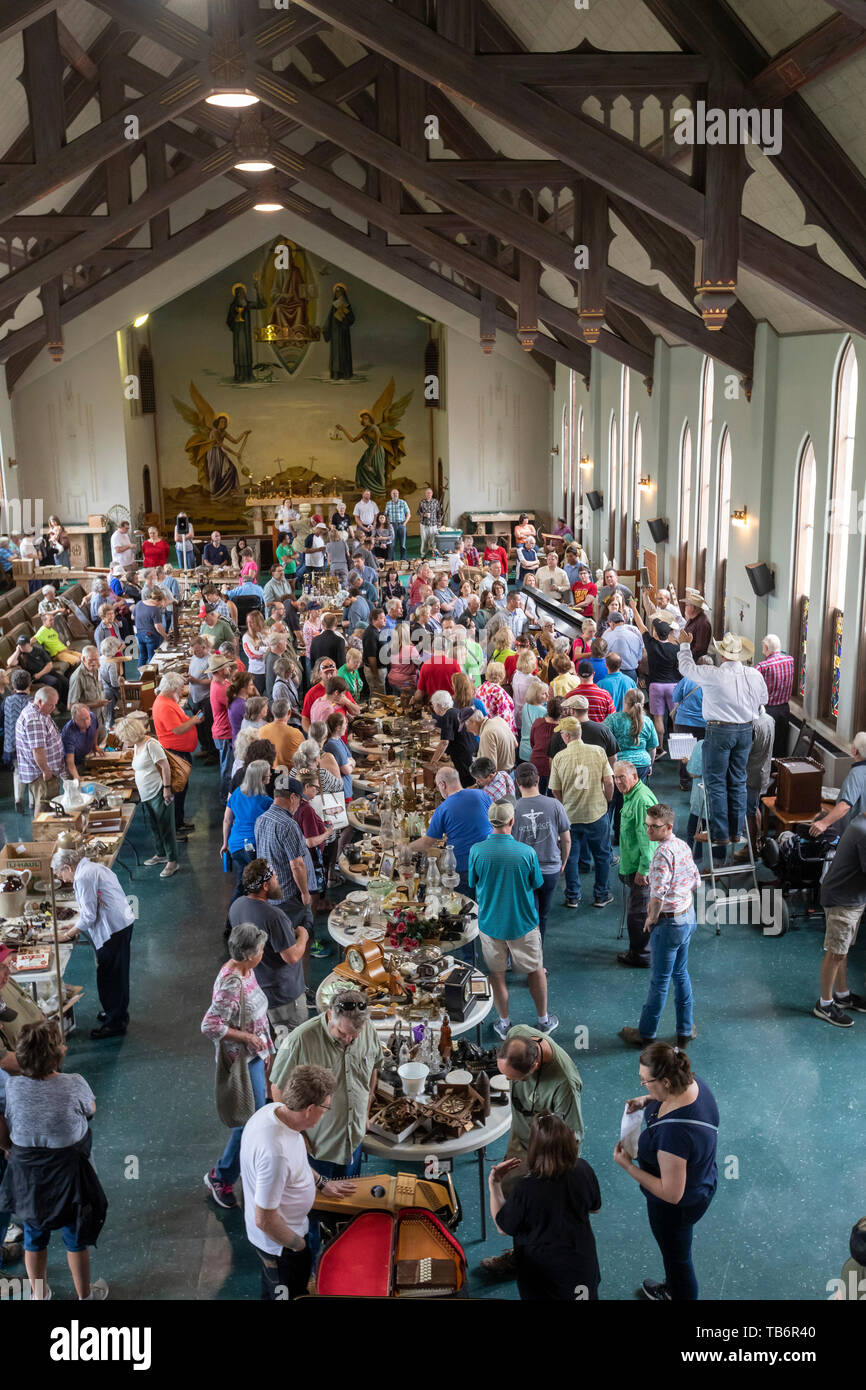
x: 804, y: 539
x: 637, y: 471
x: 576, y: 456
x: 723, y: 525
x: 623, y: 544
x: 564, y: 456
x: 840, y: 524
x: 685, y: 507
x: 612, y: 486
x: 704, y: 460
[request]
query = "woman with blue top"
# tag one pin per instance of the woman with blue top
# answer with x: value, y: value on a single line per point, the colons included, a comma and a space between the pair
x: 336, y: 745
x: 243, y: 808
x: 676, y: 1162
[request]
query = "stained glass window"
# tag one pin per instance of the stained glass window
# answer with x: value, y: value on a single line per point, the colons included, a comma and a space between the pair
x: 837, y: 664
x: 801, y: 645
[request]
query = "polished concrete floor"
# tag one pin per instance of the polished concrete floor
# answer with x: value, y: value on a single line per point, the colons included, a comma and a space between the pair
x: 789, y: 1088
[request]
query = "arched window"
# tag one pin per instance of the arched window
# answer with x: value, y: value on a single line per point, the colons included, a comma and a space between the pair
x: 612, y: 485
x: 623, y: 546
x: 704, y: 459
x: 723, y: 525
x: 804, y: 538
x: 576, y: 455
x: 637, y: 471
x: 685, y: 506
x: 840, y: 524
x: 564, y: 457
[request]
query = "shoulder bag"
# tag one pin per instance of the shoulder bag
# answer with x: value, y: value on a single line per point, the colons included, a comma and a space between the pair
x: 235, y: 1102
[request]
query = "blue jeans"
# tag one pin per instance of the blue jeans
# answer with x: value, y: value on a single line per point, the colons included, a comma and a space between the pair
x: 147, y: 645
x: 351, y: 1169
x: 725, y: 755
x: 399, y: 541
x: 185, y: 554
x: 669, y: 959
x: 595, y: 839
x: 544, y: 897
x: 229, y: 1166
x: 5, y: 1216
x: 672, y: 1227
x: 225, y: 749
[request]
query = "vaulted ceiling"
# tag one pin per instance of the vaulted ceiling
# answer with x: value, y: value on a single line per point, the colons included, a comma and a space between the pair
x: 554, y: 129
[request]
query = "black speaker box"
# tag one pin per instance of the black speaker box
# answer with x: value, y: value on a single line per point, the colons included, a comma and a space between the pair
x: 595, y: 501
x: 761, y: 578
x: 659, y: 529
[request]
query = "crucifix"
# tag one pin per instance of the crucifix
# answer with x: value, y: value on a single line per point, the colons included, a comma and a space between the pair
x: 313, y: 462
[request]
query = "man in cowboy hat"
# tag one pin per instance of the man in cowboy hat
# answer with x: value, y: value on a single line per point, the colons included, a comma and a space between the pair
x: 697, y: 622
x: 733, y: 694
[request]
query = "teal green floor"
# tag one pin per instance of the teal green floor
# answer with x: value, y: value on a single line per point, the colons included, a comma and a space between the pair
x: 790, y: 1093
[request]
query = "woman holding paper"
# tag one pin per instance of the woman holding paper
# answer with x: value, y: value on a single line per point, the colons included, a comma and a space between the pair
x: 676, y: 1162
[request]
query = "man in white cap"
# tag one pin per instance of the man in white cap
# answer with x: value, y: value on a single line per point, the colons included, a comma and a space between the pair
x: 732, y: 697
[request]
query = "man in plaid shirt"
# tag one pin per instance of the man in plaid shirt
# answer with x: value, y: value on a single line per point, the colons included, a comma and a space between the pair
x: 777, y: 668
x: 39, y: 747
x: 673, y: 878
x: 430, y: 518
x: 398, y: 513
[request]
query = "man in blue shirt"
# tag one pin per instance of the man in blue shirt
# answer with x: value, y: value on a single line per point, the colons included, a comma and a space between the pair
x: 624, y: 639
x: 505, y: 876
x: 688, y: 718
x: 248, y: 590
x: 615, y: 683
x: 461, y: 819
x: 357, y: 608
x: 397, y: 512
x: 79, y: 738
x: 215, y: 553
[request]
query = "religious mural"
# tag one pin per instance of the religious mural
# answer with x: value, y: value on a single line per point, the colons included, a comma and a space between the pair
x: 251, y: 362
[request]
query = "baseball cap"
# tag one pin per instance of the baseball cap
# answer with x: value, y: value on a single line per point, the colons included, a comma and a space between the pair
x: 577, y: 702
x: 288, y: 784
x: 21, y: 641
x: 568, y: 725
x: 501, y: 812
x: 615, y: 617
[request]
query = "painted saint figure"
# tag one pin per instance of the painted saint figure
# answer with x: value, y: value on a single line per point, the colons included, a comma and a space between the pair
x: 222, y: 473
x: 337, y: 332
x: 288, y: 294
x: 239, y: 320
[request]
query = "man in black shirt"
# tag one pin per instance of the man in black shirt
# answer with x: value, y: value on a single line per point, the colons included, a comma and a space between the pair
x: 215, y: 553
x: 328, y: 642
x: 374, y: 646
x: 591, y: 732
x: 32, y: 657
x: 843, y: 898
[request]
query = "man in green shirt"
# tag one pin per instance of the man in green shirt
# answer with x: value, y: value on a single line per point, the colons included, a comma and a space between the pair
x: 636, y: 849
x: 48, y: 637
x: 216, y: 628
x: 544, y: 1081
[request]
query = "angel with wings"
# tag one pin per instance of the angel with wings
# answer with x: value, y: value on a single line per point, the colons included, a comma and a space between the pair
x: 384, y: 442
x: 207, y: 446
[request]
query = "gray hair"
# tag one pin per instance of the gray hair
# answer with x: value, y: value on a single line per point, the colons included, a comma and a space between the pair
x: 441, y: 701
x: 308, y: 752
x: 66, y: 859
x: 622, y: 765
x: 275, y: 638
x: 280, y: 709
x: 773, y: 643
x: 46, y: 588
x: 246, y: 940
x: 86, y: 651
x: 318, y: 733
x: 43, y: 693
x: 171, y: 682
x: 448, y: 775
x: 78, y: 704
x: 242, y: 744
x: 256, y: 778
x: 110, y: 646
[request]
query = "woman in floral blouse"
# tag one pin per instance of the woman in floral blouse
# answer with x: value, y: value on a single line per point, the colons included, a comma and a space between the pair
x: 497, y: 700
x: 222, y: 1023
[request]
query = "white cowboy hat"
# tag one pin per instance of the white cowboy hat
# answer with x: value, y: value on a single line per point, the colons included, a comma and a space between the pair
x: 695, y: 598
x: 734, y: 648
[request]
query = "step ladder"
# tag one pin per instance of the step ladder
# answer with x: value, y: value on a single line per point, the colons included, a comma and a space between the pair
x: 726, y: 870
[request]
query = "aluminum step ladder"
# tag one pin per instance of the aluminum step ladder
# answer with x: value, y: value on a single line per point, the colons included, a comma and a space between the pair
x: 726, y: 870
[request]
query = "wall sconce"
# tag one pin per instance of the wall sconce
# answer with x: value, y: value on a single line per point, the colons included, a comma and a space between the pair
x: 586, y: 461
x: 740, y: 518
x: 645, y: 482
x: 140, y: 321
x: 554, y: 448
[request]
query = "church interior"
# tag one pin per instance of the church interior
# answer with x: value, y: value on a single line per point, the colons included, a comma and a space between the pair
x: 437, y: 284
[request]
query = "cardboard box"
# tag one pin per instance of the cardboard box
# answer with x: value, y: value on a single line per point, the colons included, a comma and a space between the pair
x: 96, y: 522
x: 37, y: 857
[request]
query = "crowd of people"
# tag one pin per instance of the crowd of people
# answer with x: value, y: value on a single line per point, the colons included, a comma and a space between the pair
x: 552, y: 744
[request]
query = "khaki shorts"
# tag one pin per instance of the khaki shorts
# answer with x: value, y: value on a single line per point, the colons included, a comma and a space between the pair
x: 525, y: 953
x: 842, y: 924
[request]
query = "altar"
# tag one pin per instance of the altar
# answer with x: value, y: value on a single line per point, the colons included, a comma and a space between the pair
x: 263, y: 510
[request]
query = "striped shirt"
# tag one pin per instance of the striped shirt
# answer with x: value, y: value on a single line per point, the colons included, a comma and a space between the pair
x: 673, y: 876
x: 778, y: 671
x: 396, y: 512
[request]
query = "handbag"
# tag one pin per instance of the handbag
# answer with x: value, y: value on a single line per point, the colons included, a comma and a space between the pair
x: 331, y: 807
x: 235, y: 1102
x: 180, y: 770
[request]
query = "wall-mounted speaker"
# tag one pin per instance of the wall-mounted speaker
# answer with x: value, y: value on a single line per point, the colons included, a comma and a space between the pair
x: 659, y: 529
x: 761, y: 578
x: 595, y: 500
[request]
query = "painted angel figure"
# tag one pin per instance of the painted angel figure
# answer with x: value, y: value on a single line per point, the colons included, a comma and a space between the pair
x: 207, y: 446
x: 383, y: 441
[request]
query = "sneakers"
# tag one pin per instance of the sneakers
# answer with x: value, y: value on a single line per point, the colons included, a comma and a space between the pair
x: 651, y: 1288
x: 98, y: 1292
x: 850, y: 1001
x: 14, y: 1232
x: 155, y: 859
x: 320, y: 949
x: 573, y: 903
x: 550, y: 1026
x: 170, y: 869
x: 502, y: 1029
x: 634, y: 1038
x: 603, y: 902
x: 221, y: 1192
x: 831, y: 1013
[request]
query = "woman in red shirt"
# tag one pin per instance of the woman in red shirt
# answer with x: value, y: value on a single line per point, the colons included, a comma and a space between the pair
x: 495, y: 550
x: 177, y: 731
x: 154, y: 550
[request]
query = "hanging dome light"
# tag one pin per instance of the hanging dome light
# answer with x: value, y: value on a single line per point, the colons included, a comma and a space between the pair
x: 252, y: 145
x: 269, y: 199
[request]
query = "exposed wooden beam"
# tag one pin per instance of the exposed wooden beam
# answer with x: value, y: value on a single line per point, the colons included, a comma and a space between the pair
x: 720, y: 248
x: 831, y: 43
x: 508, y: 173
x: 854, y: 9
x: 594, y: 151
x: 17, y: 14
x: 592, y: 236
x: 43, y: 81
x: 157, y: 175
x: 76, y: 56
x: 612, y: 72
x: 288, y: 29
x: 456, y: 21
x: 145, y: 17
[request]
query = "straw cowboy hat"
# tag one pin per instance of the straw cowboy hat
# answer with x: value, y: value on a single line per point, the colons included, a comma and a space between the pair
x: 219, y: 663
x: 696, y: 599
x: 734, y: 648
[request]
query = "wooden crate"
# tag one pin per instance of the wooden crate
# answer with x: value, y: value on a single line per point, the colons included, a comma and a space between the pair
x: 47, y: 826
